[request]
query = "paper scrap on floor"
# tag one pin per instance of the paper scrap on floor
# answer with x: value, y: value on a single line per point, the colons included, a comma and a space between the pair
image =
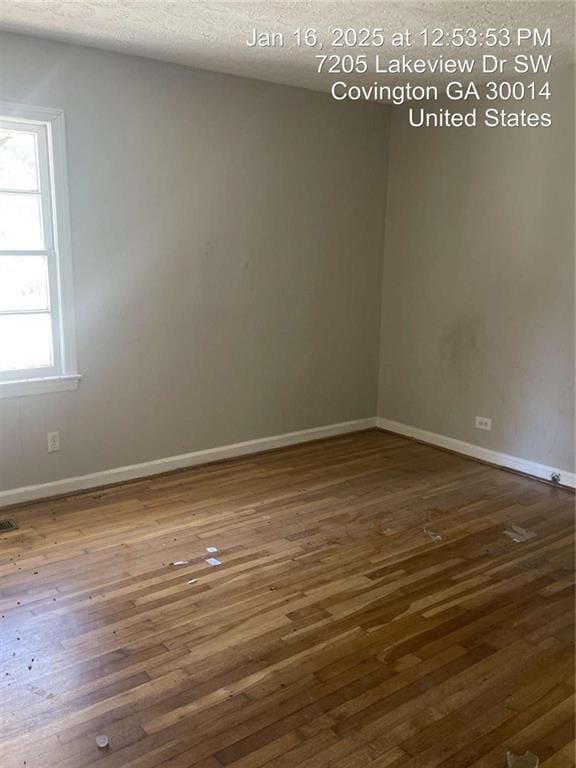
x: 518, y: 534
x: 527, y: 760
x: 432, y: 534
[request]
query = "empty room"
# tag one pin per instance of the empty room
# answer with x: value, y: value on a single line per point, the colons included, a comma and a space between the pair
x: 287, y: 363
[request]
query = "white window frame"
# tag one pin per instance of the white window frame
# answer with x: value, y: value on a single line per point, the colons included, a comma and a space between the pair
x: 48, y: 124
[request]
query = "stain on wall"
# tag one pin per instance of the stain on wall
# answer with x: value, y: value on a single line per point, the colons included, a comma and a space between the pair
x: 463, y: 350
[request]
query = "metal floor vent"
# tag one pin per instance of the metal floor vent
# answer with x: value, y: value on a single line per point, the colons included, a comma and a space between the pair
x: 8, y: 525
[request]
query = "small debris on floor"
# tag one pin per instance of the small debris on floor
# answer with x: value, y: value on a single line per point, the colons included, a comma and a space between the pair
x: 213, y: 561
x: 211, y: 549
x: 179, y: 562
x: 192, y: 581
x: 432, y: 534
x: 102, y: 742
x: 527, y: 760
x: 518, y: 534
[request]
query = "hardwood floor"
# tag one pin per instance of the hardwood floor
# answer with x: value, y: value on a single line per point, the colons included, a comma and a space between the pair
x: 336, y: 633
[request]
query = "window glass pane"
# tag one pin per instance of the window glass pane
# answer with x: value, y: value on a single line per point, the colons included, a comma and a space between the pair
x: 20, y: 222
x: 23, y: 282
x: 25, y: 341
x: 18, y: 160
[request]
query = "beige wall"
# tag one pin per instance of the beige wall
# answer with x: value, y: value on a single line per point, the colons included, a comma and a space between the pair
x: 227, y: 257
x: 478, y: 284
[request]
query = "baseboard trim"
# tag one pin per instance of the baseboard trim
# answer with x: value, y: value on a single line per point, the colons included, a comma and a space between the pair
x: 196, y: 458
x: 171, y: 463
x: 505, y: 460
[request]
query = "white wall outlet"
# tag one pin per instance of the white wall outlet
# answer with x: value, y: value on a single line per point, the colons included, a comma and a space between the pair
x: 53, y: 441
x: 483, y: 423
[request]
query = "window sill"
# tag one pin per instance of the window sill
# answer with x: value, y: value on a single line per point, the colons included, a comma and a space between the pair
x: 25, y: 387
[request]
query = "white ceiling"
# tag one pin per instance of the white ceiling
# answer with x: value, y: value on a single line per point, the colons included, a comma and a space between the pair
x: 213, y: 35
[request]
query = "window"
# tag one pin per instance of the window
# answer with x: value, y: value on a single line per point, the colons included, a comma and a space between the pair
x: 36, y: 314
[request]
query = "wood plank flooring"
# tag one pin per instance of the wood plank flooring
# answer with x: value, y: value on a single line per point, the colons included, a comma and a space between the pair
x: 335, y: 634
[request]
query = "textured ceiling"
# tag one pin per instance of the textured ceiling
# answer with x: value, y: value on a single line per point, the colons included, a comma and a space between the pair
x: 213, y: 35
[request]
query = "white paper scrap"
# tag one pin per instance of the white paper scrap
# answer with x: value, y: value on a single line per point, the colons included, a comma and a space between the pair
x: 211, y: 549
x: 213, y: 561
x: 432, y: 534
x: 518, y: 534
x: 527, y: 760
x: 180, y: 562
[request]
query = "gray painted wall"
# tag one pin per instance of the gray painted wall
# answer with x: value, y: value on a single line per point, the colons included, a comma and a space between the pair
x: 227, y: 242
x: 478, y: 283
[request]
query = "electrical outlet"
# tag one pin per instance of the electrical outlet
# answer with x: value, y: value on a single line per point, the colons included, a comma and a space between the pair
x: 483, y: 423
x: 53, y: 441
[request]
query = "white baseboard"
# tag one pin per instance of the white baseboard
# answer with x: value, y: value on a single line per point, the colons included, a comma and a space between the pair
x: 475, y: 451
x: 157, y: 466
